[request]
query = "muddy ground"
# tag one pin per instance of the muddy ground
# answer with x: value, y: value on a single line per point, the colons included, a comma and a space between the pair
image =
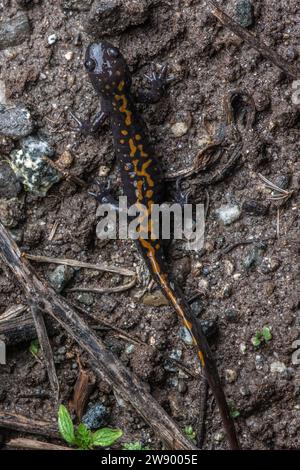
x: 252, y: 286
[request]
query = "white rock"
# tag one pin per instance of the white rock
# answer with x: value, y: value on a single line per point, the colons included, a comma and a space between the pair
x: 2, y: 92
x: 69, y: 55
x: 228, y: 213
x: 277, y: 367
x: 179, y: 129
x: 52, y: 39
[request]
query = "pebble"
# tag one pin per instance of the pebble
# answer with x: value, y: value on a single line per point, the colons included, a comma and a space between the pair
x: 228, y: 213
x: 170, y: 364
x: 155, y: 299
x: 209, y: 327
x: 111, y: 17
x: 245, y: 391
x: 226, y: 291
x: 129, y: 349
x: 230, y: 375
x: 9, y: 185
x: 253, y: 258
x: 179, y: 129
x: 61, y: 276
x: 65, y: 161
x: 197, y: 307
x: 95, y: 416
x: 269, y: 265
x: 2, y: 92
x: 69, y: 55
x: 255, y: 207
x: 243, y: 348
x: 15, y: 121
x: 11, y: 212
x: 85, y: 298
x: 14, y: 31
x: 185, y: 335
x: 244, y: 13
x: 31, y: 167
x: 277, y: 367
x: 219, y: 436
x: 283, y: 181
x: 230, y: 315
x: 52, y: 39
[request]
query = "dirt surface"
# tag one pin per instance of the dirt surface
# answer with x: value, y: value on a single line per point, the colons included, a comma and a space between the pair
x: 244, y: 290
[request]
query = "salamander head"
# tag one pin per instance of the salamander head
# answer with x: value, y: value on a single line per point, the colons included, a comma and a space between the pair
x: 107, y: 69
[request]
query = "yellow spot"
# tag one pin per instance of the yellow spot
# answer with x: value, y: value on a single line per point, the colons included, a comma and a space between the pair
x: 138, y: 137
x: 133, y: 148
x: 143, y: 154
x: 157, y: 246
x: 201, y: 357
x: 122, y: 141
x: 121, y: 85
x: 123, y: 109
x: 124, y: 132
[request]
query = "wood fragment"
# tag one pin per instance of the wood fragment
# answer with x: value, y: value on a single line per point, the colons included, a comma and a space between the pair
x: 83, y: 388
x: 32, y: 444
x: 106, y: 365
x: 252, y: 39
x: 105, y: 290
x: 23, y: 423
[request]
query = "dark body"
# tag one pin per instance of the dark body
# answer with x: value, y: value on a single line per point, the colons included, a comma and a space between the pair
x: 143, y: 184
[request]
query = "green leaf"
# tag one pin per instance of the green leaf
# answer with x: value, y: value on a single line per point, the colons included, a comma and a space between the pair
x: 256, y: 339
x: 65, y: 425
x: 234, y: 414
x: 188, y: 430
x: 34, y: 347
x: 266, y: 332
x: 106, y: 437
x: 83, y: 437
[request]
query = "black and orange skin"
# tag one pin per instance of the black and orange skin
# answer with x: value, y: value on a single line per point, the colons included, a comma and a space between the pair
x: 142, y: 180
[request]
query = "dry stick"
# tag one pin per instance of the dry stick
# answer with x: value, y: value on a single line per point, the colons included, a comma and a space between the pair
x: 24, y: 424
x: 80, y: 264
x: 105, y: 363
x: 290, y: 70
x: 43, y: 338
x: 24, y: 443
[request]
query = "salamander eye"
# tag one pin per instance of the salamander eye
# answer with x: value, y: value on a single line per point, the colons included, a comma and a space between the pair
x: 113, y: 52
x: 90, y: 65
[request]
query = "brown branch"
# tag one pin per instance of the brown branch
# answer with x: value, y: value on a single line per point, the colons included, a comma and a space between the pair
x: 24, y: 443
x: 249, y: 37
x: 24, y: 424
x: 105, y: 363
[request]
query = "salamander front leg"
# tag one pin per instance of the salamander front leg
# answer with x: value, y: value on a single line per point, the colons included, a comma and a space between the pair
x: 88, y: 127
x: 158, y: 82
x: 104, y: 195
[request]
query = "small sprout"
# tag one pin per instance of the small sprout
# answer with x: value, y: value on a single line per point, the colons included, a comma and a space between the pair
x: 234, y: 414
x: 189, y: 432
x: 260, y: 336
x: 34, y: 348
x: 83, y: 438
x: 134, y: 446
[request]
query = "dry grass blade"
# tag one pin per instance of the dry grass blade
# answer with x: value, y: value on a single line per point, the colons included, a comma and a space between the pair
x: 282, y: 194
x: 80, y: 264
x: 105, y: 290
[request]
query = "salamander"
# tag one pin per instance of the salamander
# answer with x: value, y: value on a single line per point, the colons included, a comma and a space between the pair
x: 142, y: 180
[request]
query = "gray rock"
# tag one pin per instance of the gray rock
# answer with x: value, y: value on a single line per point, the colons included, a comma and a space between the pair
x: 230, y: 315
x: 14, y: 31
x: 110, y: 17
x: 209, y: 327
x: 228, y: 213
x: 60, y: 277
x: 77, y: 5
x: 255, y: 207
x: 31, y: 166
x: 283, y: 181
x: 11, y: 212
x: 9, y: 185
x: 254, y: 257
x: 15, y: 121
x: 269, y: 265
x: 52, y: 39
x: 85, y: 298
x: 277, y: 367
x: 95, y: 416
x: 244, y: 13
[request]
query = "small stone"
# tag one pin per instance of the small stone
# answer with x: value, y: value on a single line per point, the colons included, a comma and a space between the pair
x: 255, y: 207
x: 95, y: 416
x: 228, y: 213
x: 111, y: 17
x: 185, y: 335
x: 243, y: 348
x: 277, y: 367
x: 69, y: 55
x: 129, y: 349
x: 62, y: 350
x: 209, y: 327
x: 85, y: 298
x: 9, y: 185
x: 230, y: 375
x: 230, y: 315
x: 245, y: 391
x: 259, y: 362
x: 244, y: 13
x: 269, y: 265
x: 226, y: 291
x: 15, y: 121
x: 2, y: 92
x: 31, y: 166
x: 182, y: 387
x: 197, y: 307
x: 170, y: 363
x: 155, y: 299
x: 11, y: 212
x: 229, y: 267
x: 14, y: 31
x: 283, y: 181
x: 76, y: 5
x: 262, y: 100
x: 61, y: 276
x: 103, y: 170
x: 219, y: 436
x: 52, y: 39
x: 179, y: 129
x: 65, y: 160
x: 253, y: 258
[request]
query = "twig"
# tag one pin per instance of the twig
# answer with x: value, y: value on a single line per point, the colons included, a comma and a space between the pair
x: 79, y: 264
x: 290, y: 70
x: 25, y: 424
x: 104, y: 290
x: 42, y: 335
x: 24, y: 443
x: 105, y: 363
x: 202, y: 415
